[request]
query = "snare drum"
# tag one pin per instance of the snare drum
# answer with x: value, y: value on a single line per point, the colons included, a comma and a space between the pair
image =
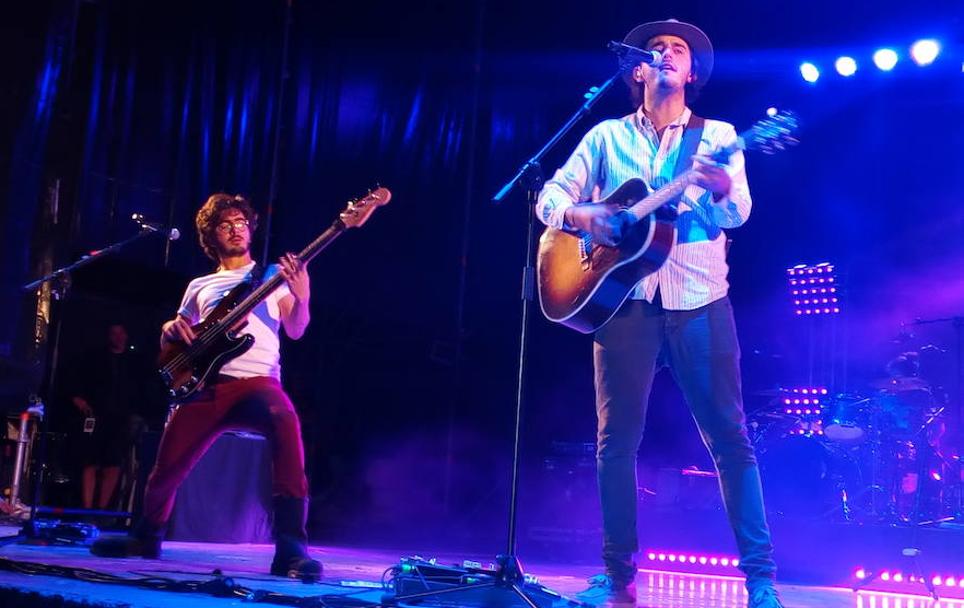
x: 849, y: 419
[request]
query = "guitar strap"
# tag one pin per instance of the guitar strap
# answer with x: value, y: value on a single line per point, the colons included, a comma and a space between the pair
x: 248, y: 284
x: 692, y: 134
x: 256, y: 274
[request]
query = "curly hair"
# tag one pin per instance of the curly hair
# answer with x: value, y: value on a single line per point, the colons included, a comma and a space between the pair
x: 209, y: 216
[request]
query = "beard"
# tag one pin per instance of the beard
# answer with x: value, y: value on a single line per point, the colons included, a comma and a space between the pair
x: 228, y: 250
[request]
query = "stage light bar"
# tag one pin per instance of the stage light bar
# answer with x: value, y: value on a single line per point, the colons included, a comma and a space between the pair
x: 895, y: 581
x: 809, y: 72
x: 845, y: 66
x: 925, y: 52
x: 885, y: 59
x: 691, y: 563
x: 814, y: 290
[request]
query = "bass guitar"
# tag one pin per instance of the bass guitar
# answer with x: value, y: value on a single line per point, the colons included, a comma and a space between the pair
x: 184, y: 368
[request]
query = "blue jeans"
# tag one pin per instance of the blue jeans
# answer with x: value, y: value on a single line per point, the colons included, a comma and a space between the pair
x: 703, y: 353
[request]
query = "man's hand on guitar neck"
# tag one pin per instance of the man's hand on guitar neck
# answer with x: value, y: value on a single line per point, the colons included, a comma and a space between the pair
x: 606, y: 223
x: 295, y: 273
x: 711, y: 176
x: 295, y: 313
x: 176, y: 330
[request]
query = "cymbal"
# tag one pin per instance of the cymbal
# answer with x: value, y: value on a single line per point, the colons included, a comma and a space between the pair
x: 900, y: 383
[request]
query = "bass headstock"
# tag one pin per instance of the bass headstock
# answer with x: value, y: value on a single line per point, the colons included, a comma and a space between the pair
x: 359, y: 210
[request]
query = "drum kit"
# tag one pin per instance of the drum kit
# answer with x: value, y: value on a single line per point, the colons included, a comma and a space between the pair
x: 881, y: 455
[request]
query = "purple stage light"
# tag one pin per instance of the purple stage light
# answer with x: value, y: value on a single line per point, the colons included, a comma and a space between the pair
x: 816, y: 280
x: 693, y: 563
x: 891, y: 581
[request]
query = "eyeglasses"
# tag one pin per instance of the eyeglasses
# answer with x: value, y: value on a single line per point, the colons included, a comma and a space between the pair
x: 238, y: 225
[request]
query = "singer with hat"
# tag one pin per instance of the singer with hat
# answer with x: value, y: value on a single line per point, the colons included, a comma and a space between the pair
x: 679, y: 316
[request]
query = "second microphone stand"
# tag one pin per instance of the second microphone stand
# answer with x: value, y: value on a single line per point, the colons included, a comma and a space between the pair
x: 509, y: 575
x: 60, y: 286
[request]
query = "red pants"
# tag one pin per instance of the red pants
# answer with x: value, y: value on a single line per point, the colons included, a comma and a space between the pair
x: 250, y: 404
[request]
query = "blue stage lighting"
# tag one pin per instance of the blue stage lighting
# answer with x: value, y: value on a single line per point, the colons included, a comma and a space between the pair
x: 846, y: 66
x: 924, y: 52
x: 885, y: 59
x: 809, y: 72
x: 772, y: 111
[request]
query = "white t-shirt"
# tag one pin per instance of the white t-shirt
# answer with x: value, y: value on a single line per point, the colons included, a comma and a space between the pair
x: 263, y: 358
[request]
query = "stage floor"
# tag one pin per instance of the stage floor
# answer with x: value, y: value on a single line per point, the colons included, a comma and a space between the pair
x: 247, y: 566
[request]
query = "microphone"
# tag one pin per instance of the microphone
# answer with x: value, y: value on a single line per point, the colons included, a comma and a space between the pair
x: 630, y: 56
x: 172, y: 234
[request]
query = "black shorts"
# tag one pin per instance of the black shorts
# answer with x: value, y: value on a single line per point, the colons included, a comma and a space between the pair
x: 108, y: 446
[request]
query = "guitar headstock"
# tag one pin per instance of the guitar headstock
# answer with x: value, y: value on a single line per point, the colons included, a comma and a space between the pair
x: 359, y: 210
x: 773, y: 134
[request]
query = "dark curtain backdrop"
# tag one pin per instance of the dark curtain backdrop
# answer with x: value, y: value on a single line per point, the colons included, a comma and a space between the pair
x: 405, y: 379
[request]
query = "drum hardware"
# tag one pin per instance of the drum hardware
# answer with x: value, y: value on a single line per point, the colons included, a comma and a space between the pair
x: 13, y: 506
x: 855, y: 457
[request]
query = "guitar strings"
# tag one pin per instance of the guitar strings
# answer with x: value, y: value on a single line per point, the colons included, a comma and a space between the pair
x: 204, y: 340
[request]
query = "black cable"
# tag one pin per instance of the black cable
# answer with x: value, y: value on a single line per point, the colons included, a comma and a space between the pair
x: 219, y: 586
x: 262, y: 579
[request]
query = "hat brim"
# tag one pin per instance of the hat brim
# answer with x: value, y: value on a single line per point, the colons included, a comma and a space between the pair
x: 701, y: 49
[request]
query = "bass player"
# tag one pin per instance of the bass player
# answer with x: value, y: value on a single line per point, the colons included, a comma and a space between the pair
x: 245, y: 395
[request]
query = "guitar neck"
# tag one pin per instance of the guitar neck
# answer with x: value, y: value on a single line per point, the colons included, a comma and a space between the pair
x: 662, y: 196
x: 272, y: 283
x: 676, y: 187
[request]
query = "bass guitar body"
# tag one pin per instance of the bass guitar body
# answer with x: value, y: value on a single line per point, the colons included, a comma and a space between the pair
x: 185, y: 368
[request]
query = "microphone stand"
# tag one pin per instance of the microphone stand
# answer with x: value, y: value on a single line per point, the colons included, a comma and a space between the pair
x: 509, y: 576
x: 60, y: 287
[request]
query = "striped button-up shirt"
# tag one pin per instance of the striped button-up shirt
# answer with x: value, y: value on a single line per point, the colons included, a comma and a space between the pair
x: 619, y: 149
